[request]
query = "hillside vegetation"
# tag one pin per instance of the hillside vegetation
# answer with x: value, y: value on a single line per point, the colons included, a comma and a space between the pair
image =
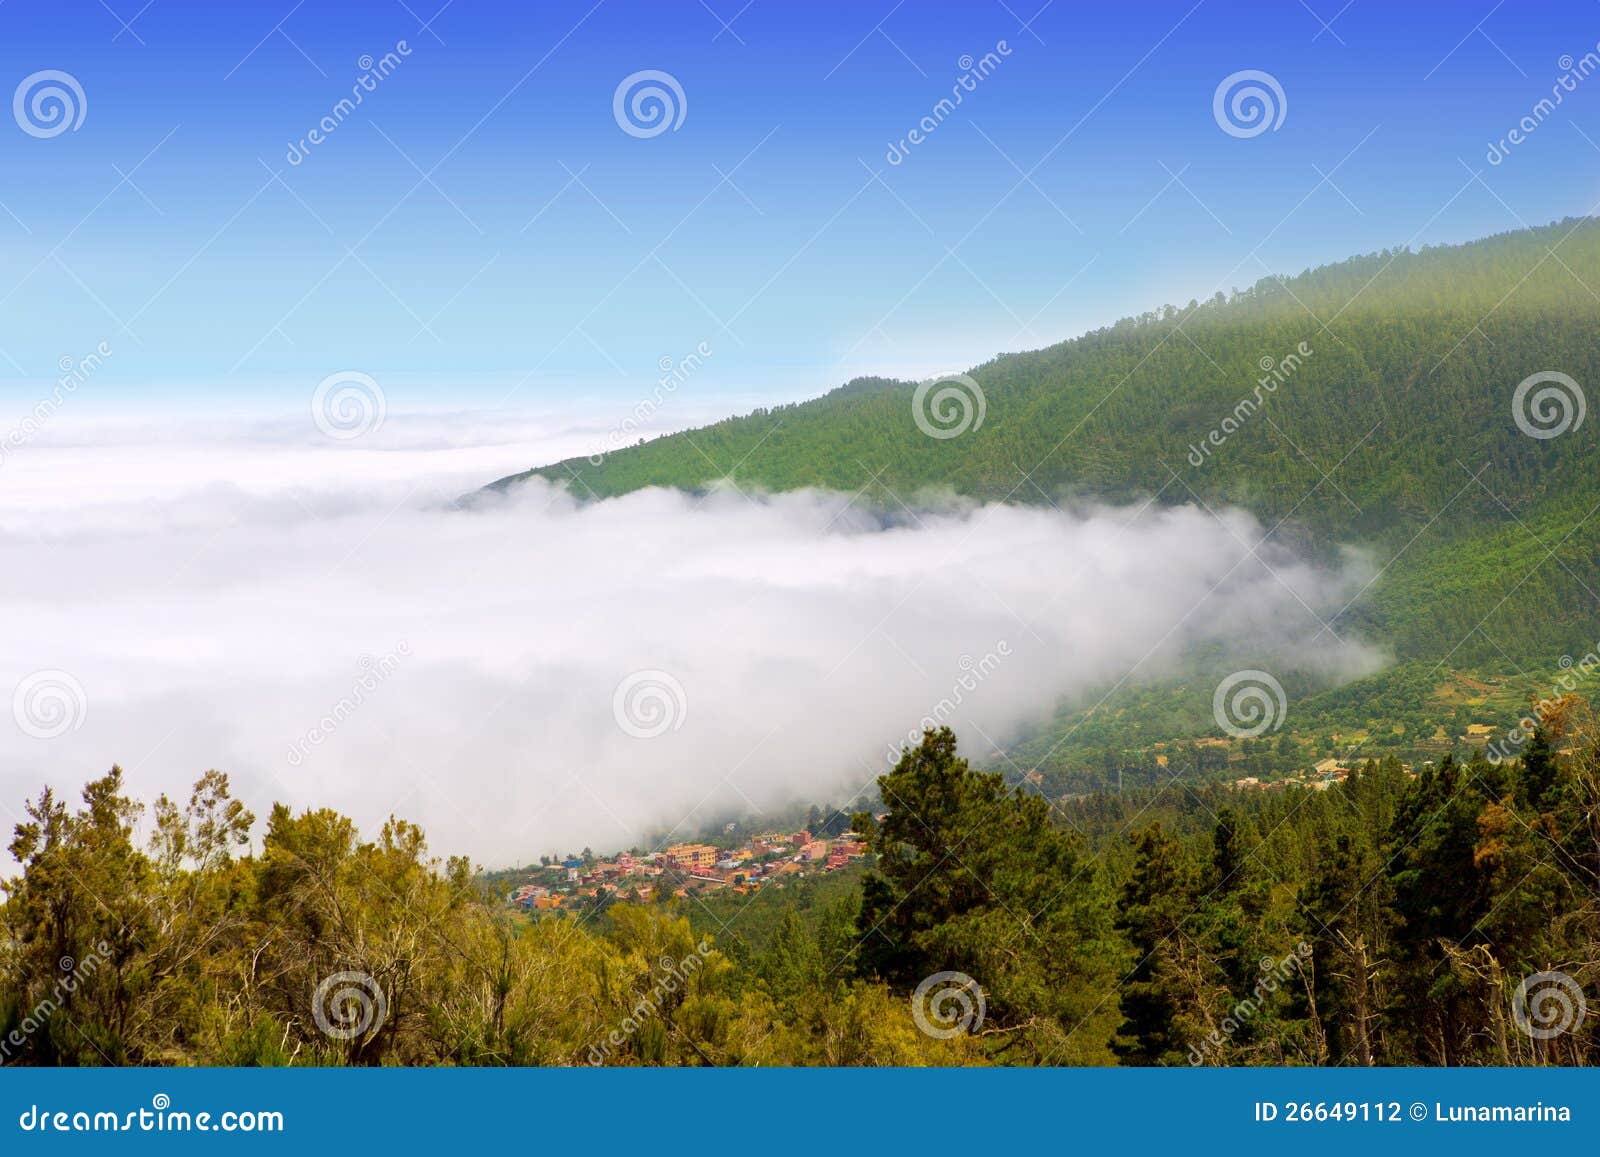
x: 1407, y: 392
x: 1388, y: 424
x: 1441, y: 919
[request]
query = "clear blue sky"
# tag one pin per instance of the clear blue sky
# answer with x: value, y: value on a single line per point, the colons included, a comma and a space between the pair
x: 481, y: 229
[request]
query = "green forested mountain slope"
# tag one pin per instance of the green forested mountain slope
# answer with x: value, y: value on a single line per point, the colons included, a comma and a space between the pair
x: 1395, y: 433
x: 1405, y: 395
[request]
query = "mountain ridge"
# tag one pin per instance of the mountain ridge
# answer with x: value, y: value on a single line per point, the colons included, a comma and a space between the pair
x: 1382, y: 401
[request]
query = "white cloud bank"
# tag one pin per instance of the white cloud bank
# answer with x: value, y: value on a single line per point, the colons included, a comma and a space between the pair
x: 797, y: 637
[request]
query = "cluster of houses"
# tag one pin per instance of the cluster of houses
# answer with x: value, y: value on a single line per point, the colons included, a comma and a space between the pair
x: 1334, y: 771
x: 685, y: 868
x: 1320, y: 778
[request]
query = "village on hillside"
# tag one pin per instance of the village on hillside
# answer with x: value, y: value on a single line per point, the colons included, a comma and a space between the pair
x: 575, y: 881
x: 1329, y: 772
x: 1324, y: 775
x: 686, y: 868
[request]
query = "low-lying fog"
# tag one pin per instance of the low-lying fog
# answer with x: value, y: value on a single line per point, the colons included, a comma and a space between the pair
x: 539, y: 673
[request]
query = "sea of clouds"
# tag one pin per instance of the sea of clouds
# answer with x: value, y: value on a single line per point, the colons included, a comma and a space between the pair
x: 538, y: 673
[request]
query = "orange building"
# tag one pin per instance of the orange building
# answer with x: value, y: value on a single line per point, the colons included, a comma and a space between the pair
x: 693, y: 857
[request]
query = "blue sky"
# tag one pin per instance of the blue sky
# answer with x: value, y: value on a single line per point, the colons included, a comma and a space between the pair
x: 480, y: 231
